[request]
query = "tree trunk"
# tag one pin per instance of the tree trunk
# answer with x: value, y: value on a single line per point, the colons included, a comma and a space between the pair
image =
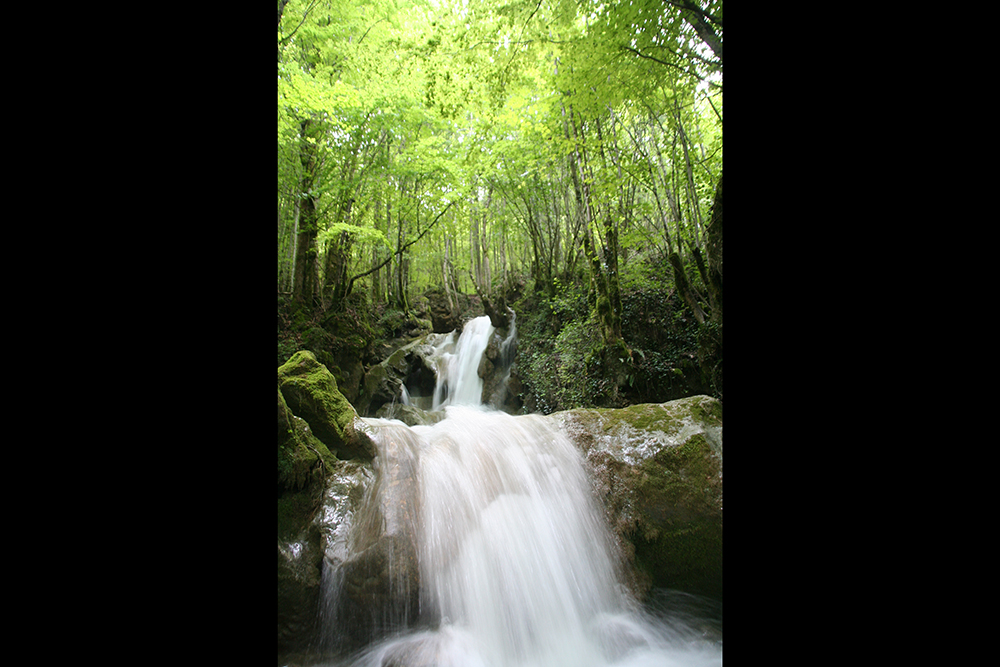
x: 689, y: 173
x: 304, y: 289
x: 680, y: 279
x: 714, y: 247
x: 446, y: 277
x: 694, y: 15
x: 613, y: 321
x: 402, y: 269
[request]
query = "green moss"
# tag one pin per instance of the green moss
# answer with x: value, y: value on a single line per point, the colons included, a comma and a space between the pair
x: 707, y: 412
x: 688, y: 559
x: 311, y: 392
x: 679, y: 541
x: 603, y: 306
x: 293, y: 512
x: 298, y: 454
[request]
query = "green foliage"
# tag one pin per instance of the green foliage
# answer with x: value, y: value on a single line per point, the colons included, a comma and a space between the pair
x: 568, y: 304
x: 366, y: 235
x: 557, y: 371
x: 391, y: 322
x: 538, y: 122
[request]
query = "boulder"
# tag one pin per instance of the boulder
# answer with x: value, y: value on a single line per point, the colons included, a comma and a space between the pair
x: 310, y: 391
x: 317, y: 493
x: 299, y: 559
x: 302, y: 464
x: 444, y: 315
x: 502, y: 388
x: 412, y: 365
x: 379, y: 581
x: 410, y: 415
x: 314, y: 525
x: 657, y: 469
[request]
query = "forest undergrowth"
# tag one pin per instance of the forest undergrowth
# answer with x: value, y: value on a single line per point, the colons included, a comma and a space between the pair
x: 561, y: 362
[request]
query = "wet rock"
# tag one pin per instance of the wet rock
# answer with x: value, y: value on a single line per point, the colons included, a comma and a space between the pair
x: 410, y: 415
x: 412, y: 366
x: 314, y: 524
x: 380, y: 589
x: 657, y: 468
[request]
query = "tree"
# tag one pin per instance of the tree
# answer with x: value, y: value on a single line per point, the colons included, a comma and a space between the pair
x: 552, y: 131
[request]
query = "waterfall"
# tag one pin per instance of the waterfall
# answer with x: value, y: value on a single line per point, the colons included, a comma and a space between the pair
x: 516, y: 566
x: 458, y: 381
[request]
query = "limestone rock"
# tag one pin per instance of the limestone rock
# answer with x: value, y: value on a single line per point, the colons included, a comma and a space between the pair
x: 412, y: 365
x: 380, y: 590
x: 657, y: 468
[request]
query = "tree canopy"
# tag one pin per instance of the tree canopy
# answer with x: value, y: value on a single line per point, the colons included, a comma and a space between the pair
x: 454, y: 143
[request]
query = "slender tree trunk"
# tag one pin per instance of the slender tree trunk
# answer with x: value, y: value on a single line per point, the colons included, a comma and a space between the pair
x: 446, y: 277
x: 304, y: 288
x: 613, y: 323
x: 715, y: 256
x: 680, y: 279
x: 399, y: 294
x: 689, y: 173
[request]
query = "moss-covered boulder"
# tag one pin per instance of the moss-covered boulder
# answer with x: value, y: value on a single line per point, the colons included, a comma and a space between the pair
x: 310, y: 392
x: 317, y: 495
x: 657, y: 468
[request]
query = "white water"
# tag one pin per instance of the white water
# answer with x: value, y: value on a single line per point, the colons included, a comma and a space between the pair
x: 458, y: 381
x: 516, y: 567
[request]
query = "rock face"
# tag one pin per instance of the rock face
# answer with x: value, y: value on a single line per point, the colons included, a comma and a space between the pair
x: 657, y: 468
x: 444, y: 314
x: 379, y: 586
x: 347, y: 548
x: 357, y: 516
x: 314, y: 420
x: 313, y: 523
x: 411, y: 365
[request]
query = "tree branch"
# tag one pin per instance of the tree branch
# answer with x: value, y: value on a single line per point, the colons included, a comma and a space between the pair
x: 662, y: 62
x: 399, y: 252
x: 690, y: 6
x: 369, y: 30
x: 696, y: 18
x: 304, y: 17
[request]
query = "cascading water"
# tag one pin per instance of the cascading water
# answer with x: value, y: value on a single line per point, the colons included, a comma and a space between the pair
x: 515, y: 563
x: 458, y: 381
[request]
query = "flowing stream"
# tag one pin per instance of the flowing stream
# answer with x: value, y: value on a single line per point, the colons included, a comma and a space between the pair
x: 515, y: 562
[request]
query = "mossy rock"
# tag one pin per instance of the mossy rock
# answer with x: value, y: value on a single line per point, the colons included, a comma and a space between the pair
x: 302, y: 463
x: 410, y: 415
x: 657, y: 469
x: 299, y: 451
x: 408, y: 365
x: 310, y: 391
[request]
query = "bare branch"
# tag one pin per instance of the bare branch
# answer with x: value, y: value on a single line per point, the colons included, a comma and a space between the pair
x: 662, y: 62
x: 399, y: 252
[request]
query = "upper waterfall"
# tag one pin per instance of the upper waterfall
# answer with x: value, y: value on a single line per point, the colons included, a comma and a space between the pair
x: 458, y: 381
